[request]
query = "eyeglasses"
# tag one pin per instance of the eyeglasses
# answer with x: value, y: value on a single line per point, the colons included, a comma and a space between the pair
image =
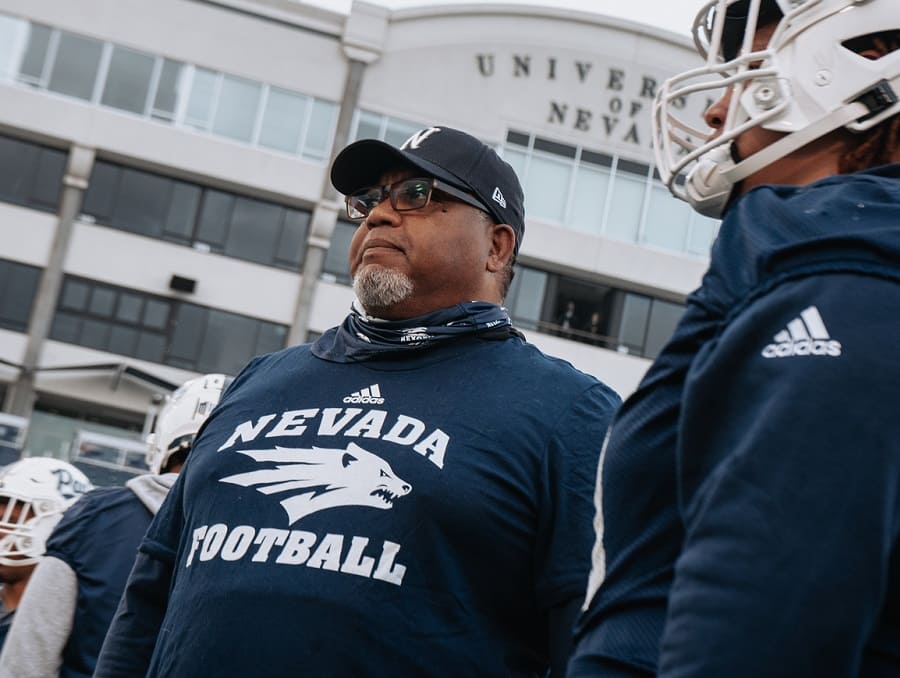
x: 406, y: 195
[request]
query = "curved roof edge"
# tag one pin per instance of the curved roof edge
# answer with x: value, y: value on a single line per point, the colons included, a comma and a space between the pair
x: 514, y: 9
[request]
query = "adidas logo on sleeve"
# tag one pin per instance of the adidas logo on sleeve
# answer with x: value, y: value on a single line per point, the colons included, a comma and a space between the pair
x: 366, y: 396
x: 805, y: 335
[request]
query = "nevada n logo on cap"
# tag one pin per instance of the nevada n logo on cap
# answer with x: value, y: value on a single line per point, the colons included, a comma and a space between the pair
x: 416, y: 139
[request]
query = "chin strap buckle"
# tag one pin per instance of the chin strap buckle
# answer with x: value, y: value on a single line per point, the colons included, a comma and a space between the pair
x: 878, y: 98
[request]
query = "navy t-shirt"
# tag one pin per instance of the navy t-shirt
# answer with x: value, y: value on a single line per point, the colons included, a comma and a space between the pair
x: 414, y: 516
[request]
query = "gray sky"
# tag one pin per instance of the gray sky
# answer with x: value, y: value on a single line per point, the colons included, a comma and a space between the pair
x: 673, y: 15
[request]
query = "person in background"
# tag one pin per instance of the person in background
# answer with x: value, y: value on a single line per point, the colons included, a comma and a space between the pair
x: 408, y: 496
x: 65, y: 613
x: 748, y: 521
x: 34, y: 492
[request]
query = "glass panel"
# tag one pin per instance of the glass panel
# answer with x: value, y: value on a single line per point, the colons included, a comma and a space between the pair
x: 128, y: 80
x: 230, y: 341
x: 94, y: 334
x: 236, y: 110
x: 188, y: 332
x: 254, y: 232
x: 123, y: 340
x: 518, y: 158
x: 633, y: 327
x: 591, y: 184
x: 142, y: 202
x: 101, y: 191
x: 292, y: 244
x: 214, y: 218
x: 150, y: 347
x: 102, y: 301
x: 271, y: 338
x: 199, y: 106
x: 703, y: 233
x: 156, y: 314
x: 32, y: 66
x: 283, y: 120
x: 47, y: 184
x: 667, y: 219
x: 321, y: 125
x: 664, y: 317
x: 547, y: 187
x: 130, y: 307
x: 168, y: 90
x: 13, y: 38
x: 66, y: 327
x: 526, y: 296
x: 399, y: 131
x: 75, y: 68
x: 17, y: 295
x: 75, y: 295
x: 337, y: 258
x: 17, y: 164
x: 368, y: 126
x: 182, y: 212
x: 627, y: 199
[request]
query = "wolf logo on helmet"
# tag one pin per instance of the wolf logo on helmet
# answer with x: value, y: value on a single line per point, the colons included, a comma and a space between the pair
x: 34, y: 493
x: 181, y: 416
x: 811, y: 79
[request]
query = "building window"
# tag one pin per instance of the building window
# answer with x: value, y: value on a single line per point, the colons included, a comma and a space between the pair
x: 591, y: 192
x: 227, y: 223
x: 30, y: 174
x: 171, y: 92
x: 159, y: 329
x: 591, y: 313
x: 369, y: 125
x: 18, y: 287
x: 337, y: 260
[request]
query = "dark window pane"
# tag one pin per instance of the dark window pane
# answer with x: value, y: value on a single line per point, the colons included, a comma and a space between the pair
x: 94, y: 334
x: 35, y: 53
x: 123, y: 340
x: 150, y: 347
x: 17, y: 294
x: 17, y: 164
x: 75, y: 295
x: 142, y: 202
x: 66, y: 327
x: 156, y: 314
x: 187, y: 333
x: 47, y: 183
x: 214, y: 217
x: 664, y: 316
x: 167, y: 90
x: 182, y: 211
x: 337, y: 257
x: 255, y: 227
x: 130, y: 306
x: 128, y: 80
x: 230, y: 341
x: 101, y: 192
x: 292, y: 244
x: 271, y: 338
x: 633, y: 324
x: 75, y: 68
x: 517, y: 138
x: 102, y: 301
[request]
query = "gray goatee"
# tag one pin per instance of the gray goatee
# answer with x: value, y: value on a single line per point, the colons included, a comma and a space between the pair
x: 379, y: 288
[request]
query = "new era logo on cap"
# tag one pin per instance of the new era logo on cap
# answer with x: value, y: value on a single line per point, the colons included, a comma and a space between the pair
x: 450, y: 155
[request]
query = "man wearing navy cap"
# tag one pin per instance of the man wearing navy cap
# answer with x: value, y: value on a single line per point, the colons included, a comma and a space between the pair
x: 411, y: 495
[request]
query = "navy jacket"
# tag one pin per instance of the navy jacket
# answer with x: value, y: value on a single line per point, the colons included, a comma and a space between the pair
x: 408, y: 516
x: 749, y: 495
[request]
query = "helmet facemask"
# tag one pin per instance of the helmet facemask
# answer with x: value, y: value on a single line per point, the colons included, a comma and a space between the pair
x: 806, y: 82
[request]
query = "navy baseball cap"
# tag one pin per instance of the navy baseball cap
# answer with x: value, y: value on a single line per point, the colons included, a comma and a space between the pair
x: 447, y: 154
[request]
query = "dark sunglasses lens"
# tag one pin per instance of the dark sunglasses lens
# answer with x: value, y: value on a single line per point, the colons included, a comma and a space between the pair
x: 411, y: 194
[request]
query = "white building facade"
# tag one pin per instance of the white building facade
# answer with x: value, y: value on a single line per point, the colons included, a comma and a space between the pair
x: 165, y: 209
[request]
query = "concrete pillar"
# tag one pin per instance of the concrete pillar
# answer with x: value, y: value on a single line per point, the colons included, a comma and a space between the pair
x: 21, y: 395
x: 363, y: 40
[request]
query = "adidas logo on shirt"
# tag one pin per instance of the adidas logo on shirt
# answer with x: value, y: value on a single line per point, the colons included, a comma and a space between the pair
x: 366, y: 396
x: 804, y: 335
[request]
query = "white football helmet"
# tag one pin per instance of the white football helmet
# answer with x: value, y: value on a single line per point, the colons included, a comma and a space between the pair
x: 807, y: 82
x: 181, y: 416
x: 34, y: 492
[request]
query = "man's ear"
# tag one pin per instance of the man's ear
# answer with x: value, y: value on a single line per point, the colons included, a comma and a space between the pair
x: 503, y: 244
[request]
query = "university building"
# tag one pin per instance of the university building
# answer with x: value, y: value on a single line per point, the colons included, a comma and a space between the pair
x: 165, y: 209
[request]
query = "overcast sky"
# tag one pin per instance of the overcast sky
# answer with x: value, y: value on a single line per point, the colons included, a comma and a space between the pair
x: 673, y: 15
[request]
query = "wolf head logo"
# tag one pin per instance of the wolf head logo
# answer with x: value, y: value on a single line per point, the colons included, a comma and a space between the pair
x: 325, y: 478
